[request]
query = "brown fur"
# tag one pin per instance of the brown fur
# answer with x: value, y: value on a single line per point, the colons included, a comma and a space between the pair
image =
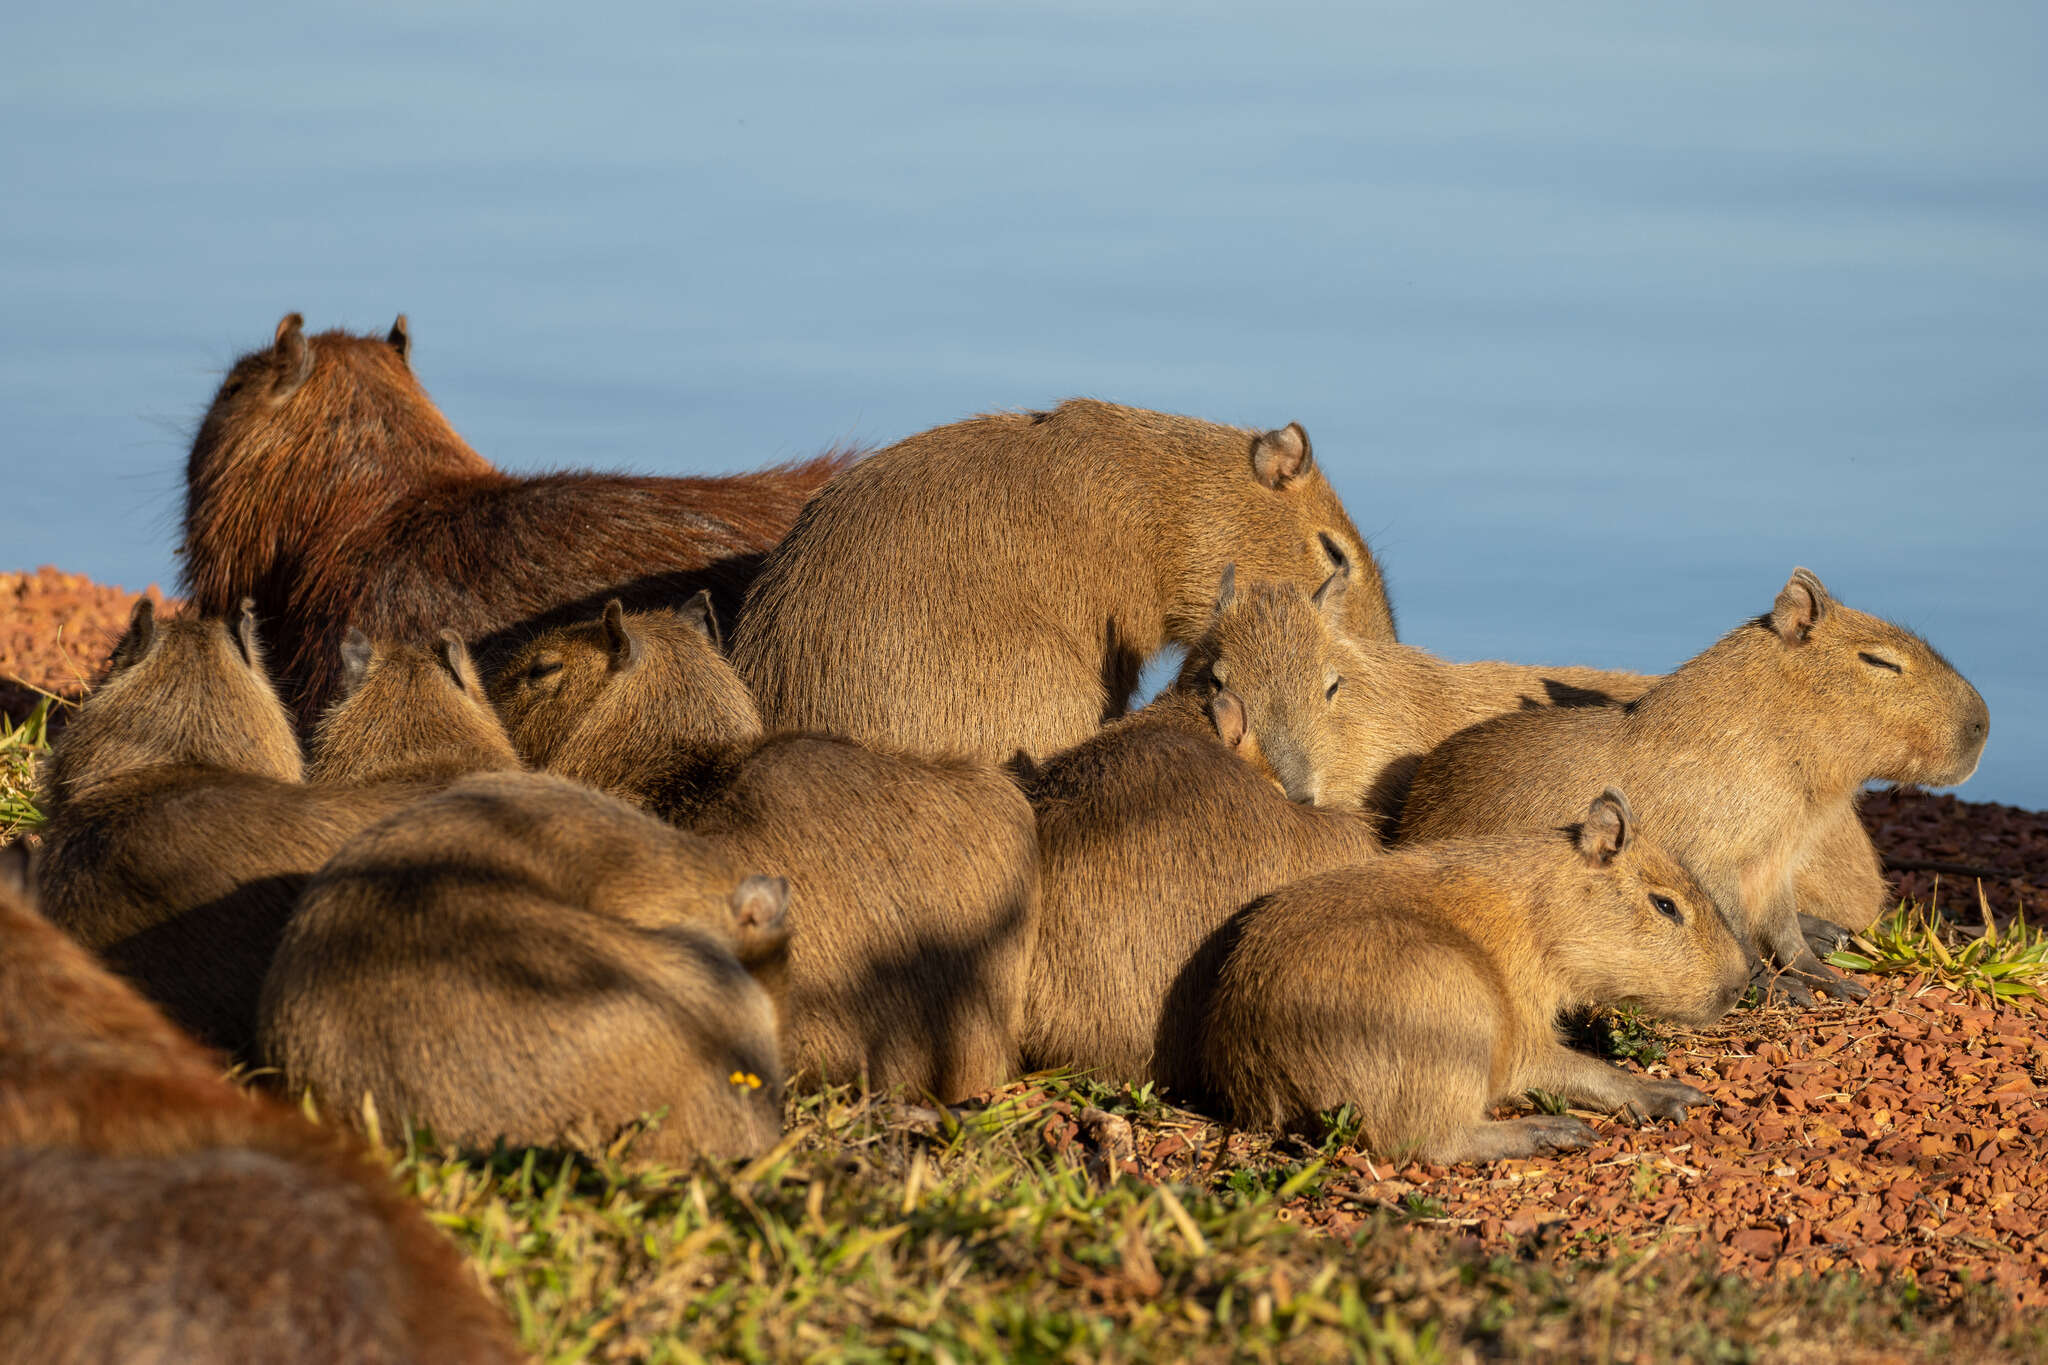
x: 915, y: 879
x: 1747, y: 752
x: 324, y: 483
x: 180, y: 832
x: 520, y: 957
x: 1426, y: 988
x: 176, y: 1218
x: 994, y: 585
x: 1152, y: 835
x: 1392, y: 703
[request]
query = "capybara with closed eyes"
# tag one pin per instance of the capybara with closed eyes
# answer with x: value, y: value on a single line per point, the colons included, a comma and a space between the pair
x: 180, y: 830
x: 993, y: 586
x: 325, y: 484
x: 914, y: 880
x: 162, y: 1214
x: 1424, y: 989
x: 521, y: 957
x: 1737, y: 759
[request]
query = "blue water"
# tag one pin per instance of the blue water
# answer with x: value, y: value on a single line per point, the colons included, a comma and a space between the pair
x: 1602, y: 316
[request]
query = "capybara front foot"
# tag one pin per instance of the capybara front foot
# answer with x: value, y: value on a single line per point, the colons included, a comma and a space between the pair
x: 1667, y: 1100
x: 1823, y: 936
x: 1515, y: 1137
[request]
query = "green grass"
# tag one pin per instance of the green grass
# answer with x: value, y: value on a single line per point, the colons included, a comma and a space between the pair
x: 21, y: 747
x: 2000, y: 963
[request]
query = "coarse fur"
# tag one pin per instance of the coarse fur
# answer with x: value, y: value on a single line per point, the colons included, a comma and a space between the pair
x: 1360, y: 714
x: 1152, y: 834
x: 1424, y: 989
x: 1739, y: 758
x: 181, y: 831
x: 175, y: 1217
x: 325, y: 484
x: 521, y: 957
x: 994, y: 586
x: 914, y: 879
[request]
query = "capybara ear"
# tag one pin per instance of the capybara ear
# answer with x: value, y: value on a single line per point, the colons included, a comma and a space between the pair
x: 622, y: 642
x: 246, y: 638
x: 1227, y: 713
x: 135, y: 642
x: 291, y: 357
x: 356, y: 650
x: 1605, y: 830
x: 1280, y: 457
x: 700, y: 614
x: 401, y: 339
x: 1802, y: 604
x: 454, y: 656
x: 760, y: 918
x: 1329, y: 598
x: 1226, y: 589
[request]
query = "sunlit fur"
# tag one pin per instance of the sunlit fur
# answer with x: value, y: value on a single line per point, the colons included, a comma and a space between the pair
x: 994, y: 585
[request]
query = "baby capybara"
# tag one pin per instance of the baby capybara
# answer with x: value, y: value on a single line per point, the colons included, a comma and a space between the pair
x: 1746, y: 751
x: 1152, y: 834
x: 1370, y: 709
x: 914, y: 880
x: 180, y: 831
x: 521, y: 957
x: 325, y: 484
x: 993, y: 586
x: 1424, y: 989
x: 160, y: 1214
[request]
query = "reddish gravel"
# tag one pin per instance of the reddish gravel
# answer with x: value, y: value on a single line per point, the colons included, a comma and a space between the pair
x: 55, y: 631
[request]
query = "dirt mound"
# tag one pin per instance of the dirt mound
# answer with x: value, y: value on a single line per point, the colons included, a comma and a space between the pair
x: 56, y: 630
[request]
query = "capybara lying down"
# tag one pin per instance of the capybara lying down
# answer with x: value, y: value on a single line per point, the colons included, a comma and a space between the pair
x: 914, y: 881
x: 521, y: 957
x: 1373, y: 708
x: 1425, y: 988
x: 325, y: 484
x: 1736, y: 759
x: 994, y: 585
x: 1152, y: 834
x: 181, y: 831
x: 156, y: 1213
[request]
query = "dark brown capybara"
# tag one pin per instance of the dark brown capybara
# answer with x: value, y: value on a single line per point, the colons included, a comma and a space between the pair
x: 1153, y: 833
x: 521, y: 957
x: 326, y: 485
x: 914, y: 880
x: 162, y: 1214
x: 1426, y: 988
x: 993, y: 586
x: 1373, y: 708
x: 1747, y: 751
x: 180, y: 830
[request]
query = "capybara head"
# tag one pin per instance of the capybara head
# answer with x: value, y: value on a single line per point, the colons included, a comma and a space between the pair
x: 1277, y: 650
x: 408, y: 710
x: 1883, y: 698
x: 185, y: 690
x: 1651, y: 935
x: 591, y: 700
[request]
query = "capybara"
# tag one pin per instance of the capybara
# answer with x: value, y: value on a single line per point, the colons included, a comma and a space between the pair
x: 521, y: 957
x: 1152, y: 834
x: 160, y: 1214
x: 1736, y: 759
x: 325, y: 484
x: 180, y: 831
x: 993, y: 586
x: 1425, y: 988
x: 1370, y: 709
x: 408, y: 714
x: 914, y: 880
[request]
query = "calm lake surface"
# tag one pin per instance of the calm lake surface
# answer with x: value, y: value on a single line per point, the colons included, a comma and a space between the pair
x: 1602, y: 317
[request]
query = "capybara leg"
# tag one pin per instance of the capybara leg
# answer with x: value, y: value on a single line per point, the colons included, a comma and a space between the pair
x: 1588, y: 1081
x: 1802, y: 973
x: 1511, y: 1138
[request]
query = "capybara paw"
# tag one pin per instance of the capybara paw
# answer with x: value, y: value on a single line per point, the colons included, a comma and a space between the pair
x: 1666, y: 1100
x: 1559, y: 1133
x: 1782, y: 988
x: 1823, y: 936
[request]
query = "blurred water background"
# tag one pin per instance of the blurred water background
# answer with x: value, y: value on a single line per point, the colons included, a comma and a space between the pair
x: 1601, y: 316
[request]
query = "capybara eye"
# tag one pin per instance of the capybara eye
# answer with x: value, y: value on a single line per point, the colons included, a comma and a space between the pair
x: 1879, y: 661
x: 1667, y: 908
x: 1338, y: 559
x: 543, y: 668
x: 1330, y: 692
